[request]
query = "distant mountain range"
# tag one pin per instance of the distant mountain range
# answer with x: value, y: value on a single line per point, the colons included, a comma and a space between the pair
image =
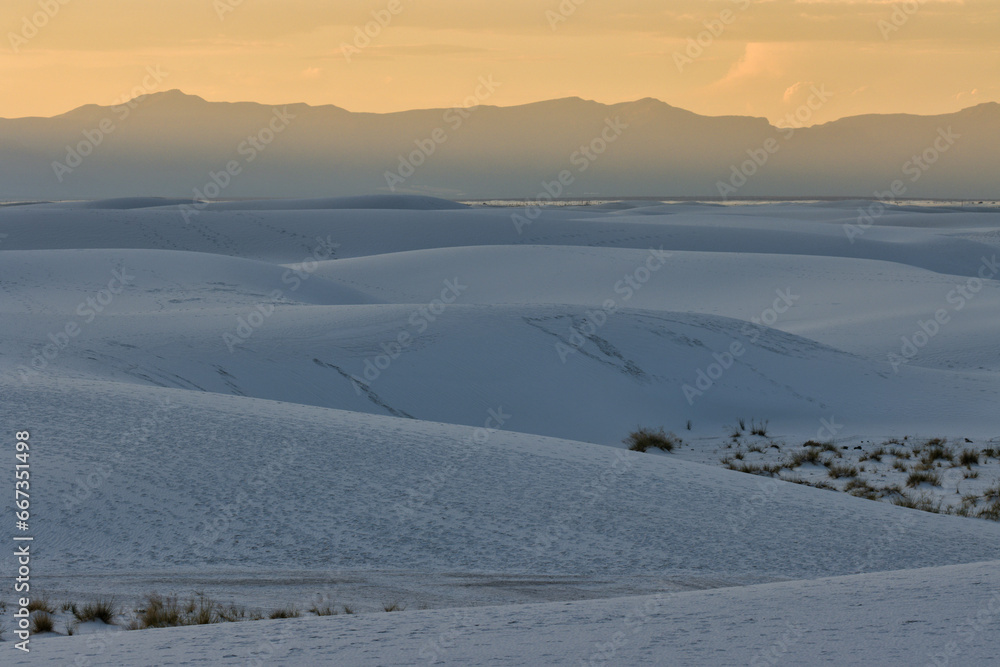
x: 172, y: 144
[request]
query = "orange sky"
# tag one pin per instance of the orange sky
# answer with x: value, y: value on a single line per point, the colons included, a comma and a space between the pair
x: 766, y: 58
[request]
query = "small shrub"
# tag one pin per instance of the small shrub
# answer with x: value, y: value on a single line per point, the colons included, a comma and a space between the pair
x: 971, y: 474
x: 874, y: 455
x: 823, y: 447
x: 40, y: 604
x: 642, y: 439
x: 348, y: 610
x: 900, y: 466
x: 933, y: 454
x: 325, y: 610
x: 992, y: 512
x: 992, y: 493
x: 968, y: 457
x: 918, y: 477
x: 837, y: 471
x: 894, y: 489
x: 759, y: 428
x: 755, y: 448
x: 861, y: 489
x: 287, y: 612
x: 393, y: 606
x: 42, y: 622
x: 804, y: 456
x: 158, y: 612
x: 231, y: 614
x: 742, y: 424
x: 103, y: 610
x: 922, y: 503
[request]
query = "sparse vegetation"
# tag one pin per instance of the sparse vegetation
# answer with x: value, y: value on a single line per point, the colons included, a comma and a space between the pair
x: 393, y: 606
x: 836, y: 471
x: 969, y: 458
x: 325, y: 610
x: 921, y: 502
x: 642, y: 439
x: 42, y: 621
x: 104, y: 610
x: 167, y: 612
x: 286, y: 612
x: 918, y: 477
x: 768, y: 470
x: 232, y: 614
x: 759, y: 428
x: 862, y: 489
x: 40, y: 604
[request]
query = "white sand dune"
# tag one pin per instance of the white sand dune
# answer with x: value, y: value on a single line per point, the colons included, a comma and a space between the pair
x: 415, y: 399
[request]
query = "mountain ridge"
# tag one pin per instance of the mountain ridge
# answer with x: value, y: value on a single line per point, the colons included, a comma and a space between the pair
x: 171, y: 144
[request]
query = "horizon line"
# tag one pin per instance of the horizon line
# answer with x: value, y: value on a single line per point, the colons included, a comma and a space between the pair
x: 177, y: 91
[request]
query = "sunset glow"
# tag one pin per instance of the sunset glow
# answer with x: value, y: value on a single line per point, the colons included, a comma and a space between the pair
x: 714, y: 57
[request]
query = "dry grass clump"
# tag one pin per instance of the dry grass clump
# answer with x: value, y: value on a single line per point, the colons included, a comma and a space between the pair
x: 42, y: 621
x: 103, y: 609
x: 642, y: 439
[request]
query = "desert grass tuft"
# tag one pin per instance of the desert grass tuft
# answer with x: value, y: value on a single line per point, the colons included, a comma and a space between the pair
x: 918, y: 477
x: 42, y: 621
x: 103, y: 609
x: 642, y: 439
x: 286, y: 612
